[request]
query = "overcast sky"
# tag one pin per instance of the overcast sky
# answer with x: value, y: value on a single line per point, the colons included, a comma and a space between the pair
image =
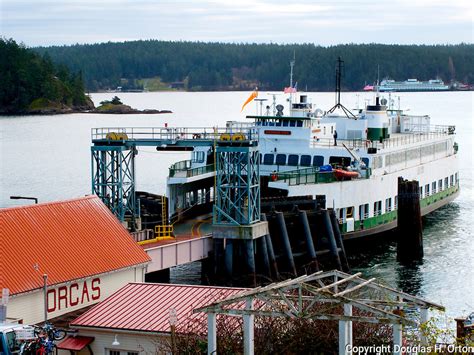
x: 325, y: 22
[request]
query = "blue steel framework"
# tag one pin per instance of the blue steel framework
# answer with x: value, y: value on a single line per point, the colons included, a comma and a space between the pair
x: 237, y: 185
x: 113, y: 179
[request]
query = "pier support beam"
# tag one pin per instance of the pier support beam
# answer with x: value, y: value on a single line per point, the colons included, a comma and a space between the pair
x: 271, y: 253
x: 286, y: 243
x: 332, y: 239
x: 409, y: 229
x: 339, y: 240
x: 303, y: 218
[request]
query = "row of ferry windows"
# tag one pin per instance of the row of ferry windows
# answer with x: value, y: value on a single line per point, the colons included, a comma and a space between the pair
x: 304, y: 160
x: 391, y: 204
x: 438, y: 186
x: 281, y: 123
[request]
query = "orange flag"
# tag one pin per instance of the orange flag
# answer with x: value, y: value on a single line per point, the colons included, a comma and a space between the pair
x: 251, y: 97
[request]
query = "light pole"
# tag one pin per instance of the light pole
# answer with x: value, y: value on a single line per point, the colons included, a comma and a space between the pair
x: 24, y: 198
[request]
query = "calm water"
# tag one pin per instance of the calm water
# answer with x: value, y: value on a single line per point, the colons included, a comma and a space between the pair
x: 49, y: 157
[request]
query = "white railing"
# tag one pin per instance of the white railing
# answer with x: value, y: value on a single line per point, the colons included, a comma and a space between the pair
x: 171, y: 133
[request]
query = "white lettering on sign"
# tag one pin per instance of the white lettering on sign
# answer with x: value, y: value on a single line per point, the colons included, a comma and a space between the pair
x: 73, y: 294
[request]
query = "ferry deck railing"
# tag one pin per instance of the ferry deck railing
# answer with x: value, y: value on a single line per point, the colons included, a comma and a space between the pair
x: 312, y: 175
x: 413, y: 133
x: 173, y: 133
x: 183, y: 169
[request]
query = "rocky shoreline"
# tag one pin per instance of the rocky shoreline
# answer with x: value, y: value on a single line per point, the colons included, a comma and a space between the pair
x: 63, y: 109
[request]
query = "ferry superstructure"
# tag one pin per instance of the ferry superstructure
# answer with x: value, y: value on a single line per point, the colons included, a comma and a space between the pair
x: 351, y: 162
x: 409, y: 85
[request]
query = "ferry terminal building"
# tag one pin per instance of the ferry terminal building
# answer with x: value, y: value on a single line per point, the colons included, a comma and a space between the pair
x: 79, y: 244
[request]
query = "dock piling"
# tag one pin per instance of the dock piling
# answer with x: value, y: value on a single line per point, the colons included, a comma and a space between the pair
x: 339, y: 240
x: 309, y: 239
x: 286, y: 243
x: 409, y: 229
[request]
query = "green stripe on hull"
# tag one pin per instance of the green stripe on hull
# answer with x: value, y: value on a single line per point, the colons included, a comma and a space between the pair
x: 391, y: 216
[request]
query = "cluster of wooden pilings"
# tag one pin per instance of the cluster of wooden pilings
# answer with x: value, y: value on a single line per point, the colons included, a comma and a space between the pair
x: 299, y: 242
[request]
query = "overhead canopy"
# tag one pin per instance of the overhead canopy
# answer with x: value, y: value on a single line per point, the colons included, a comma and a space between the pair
x: 75, y: 343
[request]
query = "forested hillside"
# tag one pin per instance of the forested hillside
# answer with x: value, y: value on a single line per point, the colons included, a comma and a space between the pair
x: 30, y: 83
x: 224, y: 66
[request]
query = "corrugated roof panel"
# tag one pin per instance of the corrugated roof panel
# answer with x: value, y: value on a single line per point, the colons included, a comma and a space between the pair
x: 67, y: 240
x: 146, y: 306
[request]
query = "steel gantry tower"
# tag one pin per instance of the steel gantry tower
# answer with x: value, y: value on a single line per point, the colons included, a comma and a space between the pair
x: 113, y: 180
x: 237, y: 184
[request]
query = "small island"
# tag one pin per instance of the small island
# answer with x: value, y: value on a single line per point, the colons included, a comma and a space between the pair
x: 33, y: 85
x: 115, y: 106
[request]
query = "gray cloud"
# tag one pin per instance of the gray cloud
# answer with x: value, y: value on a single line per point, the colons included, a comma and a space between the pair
x: 49, y: 22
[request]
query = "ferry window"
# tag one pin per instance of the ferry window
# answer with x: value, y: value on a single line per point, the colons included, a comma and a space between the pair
x: 364, y: 211
x: 197, y: 157
x: 395, y: 204
x: 421, y: 192
x: 281, y: 159
x: 292, y: 123
x: 433, y: 187
x: 324, y: 130
x: 440, y: 185
x: 446, y: 183
x: 332, y: 129
x: 343, y: 161
x: 456, y: 178
x: 261, y: 158
x: 305, y: 160
x: 388, y: 205
x: 285, y: 123
x: 427, y: 190
x: 451, y: 180
x: 268, y: 159
x: 293, y: 159
x: 299, y: 123
x: 366, y: 161
x: 350, y: 212
x: 377, y: 208
x: 318, y: 160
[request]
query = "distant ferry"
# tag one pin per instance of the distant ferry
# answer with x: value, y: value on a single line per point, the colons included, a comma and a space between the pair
x: 388, y: 85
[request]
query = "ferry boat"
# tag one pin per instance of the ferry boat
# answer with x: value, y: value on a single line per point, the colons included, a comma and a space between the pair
x: 350, y: 161
x: 411, y: 85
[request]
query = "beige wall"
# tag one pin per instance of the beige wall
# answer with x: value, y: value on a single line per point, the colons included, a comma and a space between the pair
x: 63, y: 298
x: 142, y: 343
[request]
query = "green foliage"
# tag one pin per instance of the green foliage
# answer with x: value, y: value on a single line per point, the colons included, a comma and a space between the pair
x: 226, y: 66
x: 115, y: 101
x: 29, y: 81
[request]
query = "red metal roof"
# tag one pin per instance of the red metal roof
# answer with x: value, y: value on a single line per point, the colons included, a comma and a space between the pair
x: 146, y: 307
x: 76, y: 343
x: 67, y: 240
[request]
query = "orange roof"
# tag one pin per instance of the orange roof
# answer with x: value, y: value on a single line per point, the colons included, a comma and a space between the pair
x: 67, y: 240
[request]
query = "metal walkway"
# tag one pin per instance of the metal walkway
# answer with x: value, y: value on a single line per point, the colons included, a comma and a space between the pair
x: 169, y: 137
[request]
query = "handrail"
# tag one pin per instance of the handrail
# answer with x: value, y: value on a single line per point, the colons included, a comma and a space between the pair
x: 191, y: 172
x: 312, y: 176
x: 173, y: 133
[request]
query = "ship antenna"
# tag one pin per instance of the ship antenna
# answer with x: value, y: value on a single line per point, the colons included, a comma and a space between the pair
x: 338, y: 104
x: 292, y: 64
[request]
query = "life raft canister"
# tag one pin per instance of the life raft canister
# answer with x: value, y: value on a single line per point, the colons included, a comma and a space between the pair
x: 225, y: 137
x: 238, y: 137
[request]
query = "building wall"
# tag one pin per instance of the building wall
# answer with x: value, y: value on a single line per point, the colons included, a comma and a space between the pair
x: 142, y: 343
x: 70, y: 296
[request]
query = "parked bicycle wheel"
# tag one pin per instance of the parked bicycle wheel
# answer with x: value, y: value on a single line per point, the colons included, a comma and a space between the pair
x: 59, y: 334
